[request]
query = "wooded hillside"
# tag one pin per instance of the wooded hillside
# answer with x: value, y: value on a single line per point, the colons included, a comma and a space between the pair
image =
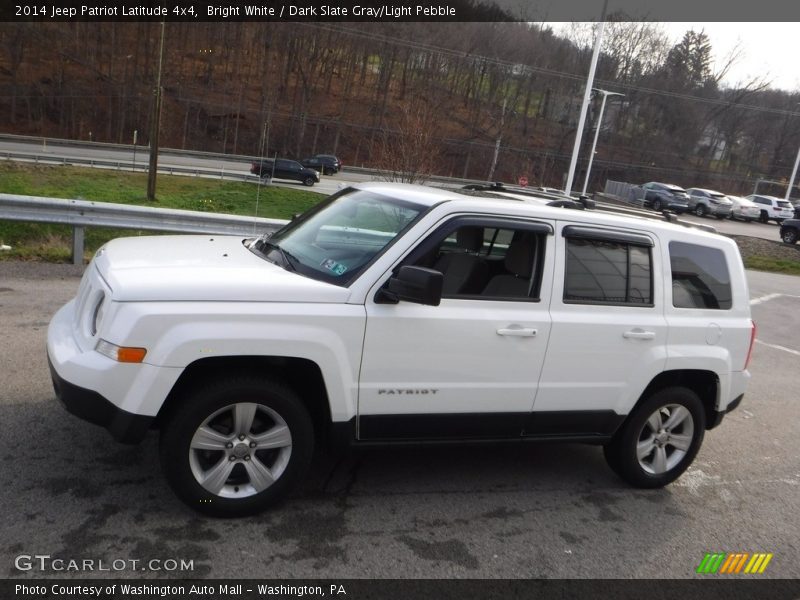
x: 437, y: 95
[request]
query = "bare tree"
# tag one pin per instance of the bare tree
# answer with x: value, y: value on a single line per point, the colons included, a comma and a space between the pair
x: 408, y: 153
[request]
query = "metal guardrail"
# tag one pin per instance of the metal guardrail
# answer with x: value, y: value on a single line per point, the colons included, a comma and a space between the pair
x: 80, y: 214
x: 126, y: 165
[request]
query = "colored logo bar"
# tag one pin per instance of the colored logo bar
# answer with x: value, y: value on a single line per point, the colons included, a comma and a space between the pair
x: 734, y: 562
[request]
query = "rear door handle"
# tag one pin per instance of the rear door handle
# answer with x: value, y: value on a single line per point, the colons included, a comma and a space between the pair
x: 516, y: 331
x: 639, y: 334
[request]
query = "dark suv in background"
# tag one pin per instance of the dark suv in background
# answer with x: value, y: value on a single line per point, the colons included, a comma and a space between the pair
x: 283, y: 168
x: 661, y: 196
x: 328, y: 164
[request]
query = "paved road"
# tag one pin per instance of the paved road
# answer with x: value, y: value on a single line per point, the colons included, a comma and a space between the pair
x: 237, y: 166
x: 517, y: 511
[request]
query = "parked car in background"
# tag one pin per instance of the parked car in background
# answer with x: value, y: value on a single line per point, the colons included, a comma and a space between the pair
x: 772, y: 208
x: 327, y: 164
x: 709, y: 202
x: 282, y: 168
x: 744, y: 209
x: 661, y: 196
x: 797, y: 211
x: 790, y: 230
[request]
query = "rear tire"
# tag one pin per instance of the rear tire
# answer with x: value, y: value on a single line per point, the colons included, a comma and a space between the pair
x: 236, y: 446
x: 790, y: 236
x: 659, y: 440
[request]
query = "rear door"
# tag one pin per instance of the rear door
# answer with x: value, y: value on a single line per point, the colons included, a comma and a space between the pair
x: 609, y: 334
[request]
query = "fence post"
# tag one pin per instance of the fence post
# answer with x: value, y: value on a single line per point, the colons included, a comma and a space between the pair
x: 77, y: 245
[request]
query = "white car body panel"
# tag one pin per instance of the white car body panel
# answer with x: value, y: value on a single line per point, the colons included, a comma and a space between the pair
x: 186, y: 298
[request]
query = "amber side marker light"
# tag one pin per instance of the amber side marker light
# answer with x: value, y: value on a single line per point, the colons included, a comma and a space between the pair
x: 121, y: 353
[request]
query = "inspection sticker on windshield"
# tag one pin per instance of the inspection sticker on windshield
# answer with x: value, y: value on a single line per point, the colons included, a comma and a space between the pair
x: 333, y: 266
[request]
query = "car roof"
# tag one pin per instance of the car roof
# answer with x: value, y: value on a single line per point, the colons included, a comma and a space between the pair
x: 707, y: 191
x: 671, y: 186
x: 503, y: 204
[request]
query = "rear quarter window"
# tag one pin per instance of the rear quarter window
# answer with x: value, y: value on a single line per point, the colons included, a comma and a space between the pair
x: 700, y: 277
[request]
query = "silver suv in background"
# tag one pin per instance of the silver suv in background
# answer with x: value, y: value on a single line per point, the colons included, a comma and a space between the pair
x: 709, y: 202
x: 772, y: 208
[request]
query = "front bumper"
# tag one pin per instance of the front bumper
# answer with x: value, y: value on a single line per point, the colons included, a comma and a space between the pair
x: 122, y: 397
x: 92, y: 407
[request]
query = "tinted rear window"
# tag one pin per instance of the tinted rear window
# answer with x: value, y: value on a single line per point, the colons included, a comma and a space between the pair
x: 700, y: 277
x: 608, y: 272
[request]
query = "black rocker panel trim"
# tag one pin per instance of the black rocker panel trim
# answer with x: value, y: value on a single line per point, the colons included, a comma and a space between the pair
x: 476, y: 426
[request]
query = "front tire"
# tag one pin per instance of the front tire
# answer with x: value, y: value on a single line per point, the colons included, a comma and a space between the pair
x: 700, y: 210
x: 659, y: 440
x: 763, y: 217
x: 237, y: 446
x: 308, y: 181
x: 656, y: 205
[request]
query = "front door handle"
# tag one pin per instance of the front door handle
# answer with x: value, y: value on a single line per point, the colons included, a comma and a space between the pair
x: 517, y: 331
x: 639, y: 334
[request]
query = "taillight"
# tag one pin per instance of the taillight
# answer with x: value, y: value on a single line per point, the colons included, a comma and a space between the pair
x: 753, y: 330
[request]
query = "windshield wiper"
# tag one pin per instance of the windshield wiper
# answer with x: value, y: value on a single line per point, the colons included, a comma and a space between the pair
x: 288, y: 259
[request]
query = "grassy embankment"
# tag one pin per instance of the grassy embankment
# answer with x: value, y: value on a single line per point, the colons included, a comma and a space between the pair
x: 52, y: 242
x: 34, y: 241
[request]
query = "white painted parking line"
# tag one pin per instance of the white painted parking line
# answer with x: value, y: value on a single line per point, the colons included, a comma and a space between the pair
x: 777, y: 347
x: 762, y: 299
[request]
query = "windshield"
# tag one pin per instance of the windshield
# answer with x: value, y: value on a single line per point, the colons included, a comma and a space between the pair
x: 337, y: 239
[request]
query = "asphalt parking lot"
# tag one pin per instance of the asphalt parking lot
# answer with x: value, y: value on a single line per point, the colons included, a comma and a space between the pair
x: 69, y: 491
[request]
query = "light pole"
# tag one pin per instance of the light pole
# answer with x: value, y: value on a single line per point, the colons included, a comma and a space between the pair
x: 606, y: 94
x: 598, y: 41
x: 794, y: 171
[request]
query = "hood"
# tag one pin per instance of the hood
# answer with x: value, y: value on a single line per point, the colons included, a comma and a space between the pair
x: 202, y: 268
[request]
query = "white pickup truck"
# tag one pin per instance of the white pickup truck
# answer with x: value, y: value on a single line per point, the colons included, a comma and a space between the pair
x: 395, y: 313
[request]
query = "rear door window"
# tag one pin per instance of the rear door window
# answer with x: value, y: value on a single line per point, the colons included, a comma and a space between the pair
x: 607, y: 270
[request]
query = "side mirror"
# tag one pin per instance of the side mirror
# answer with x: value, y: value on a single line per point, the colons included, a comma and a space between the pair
x: 415, y: 284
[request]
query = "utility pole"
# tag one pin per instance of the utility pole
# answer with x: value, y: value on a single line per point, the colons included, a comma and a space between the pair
x: 587, y: 92
x: 155, y: 125
x: 606, y: 94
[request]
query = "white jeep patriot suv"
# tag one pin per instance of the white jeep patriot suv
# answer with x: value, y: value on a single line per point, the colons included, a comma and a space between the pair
x: 392, y: 314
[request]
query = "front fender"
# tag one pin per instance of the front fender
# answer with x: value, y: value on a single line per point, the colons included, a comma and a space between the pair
x: 178, y: 334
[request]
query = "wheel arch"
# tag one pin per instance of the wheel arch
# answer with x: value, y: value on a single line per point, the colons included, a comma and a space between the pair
x: 301, y: 374
x: 705, y: 384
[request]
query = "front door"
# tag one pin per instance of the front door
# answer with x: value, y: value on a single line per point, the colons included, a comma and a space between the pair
x: 469, y: 367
